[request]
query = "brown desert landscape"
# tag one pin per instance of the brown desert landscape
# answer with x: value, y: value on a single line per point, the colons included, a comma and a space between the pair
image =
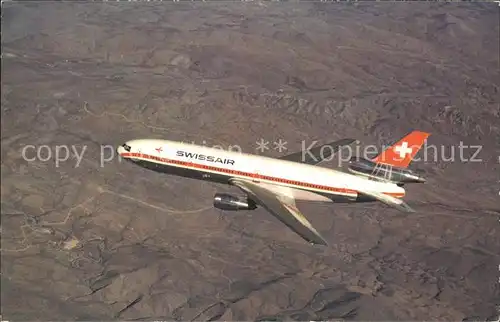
x: 88, y: 236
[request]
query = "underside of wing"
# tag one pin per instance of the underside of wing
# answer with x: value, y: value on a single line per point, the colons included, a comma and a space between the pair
x: 318, y: 154
x: 388, y: 200
x: 283, y: 208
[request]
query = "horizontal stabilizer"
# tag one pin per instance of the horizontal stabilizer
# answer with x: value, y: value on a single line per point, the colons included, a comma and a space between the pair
x: 388, y: 200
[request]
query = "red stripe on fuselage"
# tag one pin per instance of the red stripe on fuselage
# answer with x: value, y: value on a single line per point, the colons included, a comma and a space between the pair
x: 254, y: 176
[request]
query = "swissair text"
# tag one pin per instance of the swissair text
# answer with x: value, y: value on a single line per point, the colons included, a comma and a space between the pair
x: 203, y: 157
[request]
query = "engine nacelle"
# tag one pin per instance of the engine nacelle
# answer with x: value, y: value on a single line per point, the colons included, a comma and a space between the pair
x: 226, y: 201
x: 386, y: 172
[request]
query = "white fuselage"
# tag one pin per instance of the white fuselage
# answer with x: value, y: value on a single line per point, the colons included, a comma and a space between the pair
x: 297, y: 180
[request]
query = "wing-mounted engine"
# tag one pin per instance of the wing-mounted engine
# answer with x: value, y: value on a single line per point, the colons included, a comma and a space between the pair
x: 383, y: 172
x: 226, y: 201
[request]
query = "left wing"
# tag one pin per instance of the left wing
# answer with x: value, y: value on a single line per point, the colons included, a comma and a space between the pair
x: 283, y: 208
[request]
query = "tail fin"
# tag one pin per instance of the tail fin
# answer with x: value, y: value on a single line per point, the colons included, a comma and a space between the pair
x: 402, y: 153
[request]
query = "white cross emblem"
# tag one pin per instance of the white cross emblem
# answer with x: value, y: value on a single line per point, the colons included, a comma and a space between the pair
x: 403, y: 150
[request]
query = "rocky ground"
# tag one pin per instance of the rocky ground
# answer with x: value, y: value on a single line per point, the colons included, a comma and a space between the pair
x: 90, y: 237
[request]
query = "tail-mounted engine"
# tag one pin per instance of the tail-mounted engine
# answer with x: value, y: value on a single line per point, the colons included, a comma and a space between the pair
x: 380, y: 171
x: 226, y: 201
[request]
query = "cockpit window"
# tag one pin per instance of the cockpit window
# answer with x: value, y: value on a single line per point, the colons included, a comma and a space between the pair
x: 126, y: 147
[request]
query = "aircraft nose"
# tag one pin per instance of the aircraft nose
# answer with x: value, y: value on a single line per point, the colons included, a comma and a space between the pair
x: 124, y: 148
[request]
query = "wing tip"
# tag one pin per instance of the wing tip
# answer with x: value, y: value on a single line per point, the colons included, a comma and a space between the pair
x: 347, y: 141
x: 411, y: 210
x: 319, y: 244
x: 406, y: 208
x: 319, y: 241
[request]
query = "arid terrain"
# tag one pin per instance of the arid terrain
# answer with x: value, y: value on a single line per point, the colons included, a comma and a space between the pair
x: 88, y: 236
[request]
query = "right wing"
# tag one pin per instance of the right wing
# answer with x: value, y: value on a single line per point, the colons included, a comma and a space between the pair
x: 388, y: 200
x: 314, y: 155
x: 283, y: 208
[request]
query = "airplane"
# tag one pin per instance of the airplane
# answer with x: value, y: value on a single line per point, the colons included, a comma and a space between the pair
x: 276, y: 183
